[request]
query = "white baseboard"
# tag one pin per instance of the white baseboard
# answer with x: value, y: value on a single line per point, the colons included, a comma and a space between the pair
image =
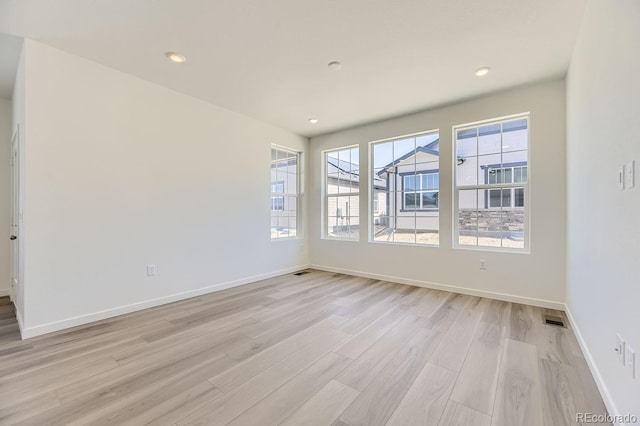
x: 454, y: 289
x: 4, y: 292
x: 19, y: 318
x: 121, y: 310
x: 602, y: 387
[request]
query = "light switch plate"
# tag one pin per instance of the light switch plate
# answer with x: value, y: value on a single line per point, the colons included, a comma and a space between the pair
x: 629, y: 174
x: 621, y: 178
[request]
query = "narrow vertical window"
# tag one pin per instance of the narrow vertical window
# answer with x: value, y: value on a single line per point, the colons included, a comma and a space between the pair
x: 285, y: 178
x: 405, y: 187
x: 492, y: 184
x: 342, y: 193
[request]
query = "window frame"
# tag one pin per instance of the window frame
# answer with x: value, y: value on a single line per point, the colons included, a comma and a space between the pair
x: 371, y: 191
x: 326, y: 195
x: 283, y: 195
x: 513, y: 185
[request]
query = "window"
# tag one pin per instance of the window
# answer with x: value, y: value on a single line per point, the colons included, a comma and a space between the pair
x: 492, y: 184
x: 405, y: 189
x: 342, y: 199
x: 420, y: 191
x: 284, y: 193
x: 511, y: 197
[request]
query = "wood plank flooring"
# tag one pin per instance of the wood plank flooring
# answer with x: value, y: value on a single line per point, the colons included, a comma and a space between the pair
x: 316, y: 349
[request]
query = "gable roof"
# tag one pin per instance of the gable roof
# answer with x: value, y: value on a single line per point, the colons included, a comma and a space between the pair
x: 432, y: 148
x: 343, y: 166
x: 348, y: 169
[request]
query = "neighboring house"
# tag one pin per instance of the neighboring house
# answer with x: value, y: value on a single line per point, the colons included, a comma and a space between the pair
x: 344, y: 211
x: 410, y: 189
x: 411, y: 183
x: 491, y: 156
x: 284, y: 194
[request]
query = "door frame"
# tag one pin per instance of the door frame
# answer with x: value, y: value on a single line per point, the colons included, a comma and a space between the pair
x: 14, y: 227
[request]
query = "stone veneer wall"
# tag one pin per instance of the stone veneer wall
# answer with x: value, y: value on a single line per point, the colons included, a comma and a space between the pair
x: 491, y: 222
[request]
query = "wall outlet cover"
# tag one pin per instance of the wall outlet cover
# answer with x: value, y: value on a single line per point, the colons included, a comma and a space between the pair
x: 151, y: 270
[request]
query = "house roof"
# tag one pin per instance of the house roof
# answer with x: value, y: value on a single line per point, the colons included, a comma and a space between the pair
x: 344, y: 166
x: 432, y: 148
x: 351, y: 171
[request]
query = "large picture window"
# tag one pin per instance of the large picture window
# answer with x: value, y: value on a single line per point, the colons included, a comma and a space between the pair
x: 285, y: 180
x: 342, y: 193
x: 492, y: 184
x: 405, y: 187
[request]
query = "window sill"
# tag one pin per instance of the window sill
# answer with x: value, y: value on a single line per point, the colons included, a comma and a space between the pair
x: 404, y: 244
x: 419, y: 210
x: 349, y: 240
x: 493, y: 249
x: 296, y: 238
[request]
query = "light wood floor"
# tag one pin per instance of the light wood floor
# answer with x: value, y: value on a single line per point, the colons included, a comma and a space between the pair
x: 317, y: 349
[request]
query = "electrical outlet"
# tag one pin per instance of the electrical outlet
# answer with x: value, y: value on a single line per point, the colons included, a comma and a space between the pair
x: 483, y: 264
x: 630, y: 358
x: 620, y: 348
x: 629, y: 175
x: 151, y: 270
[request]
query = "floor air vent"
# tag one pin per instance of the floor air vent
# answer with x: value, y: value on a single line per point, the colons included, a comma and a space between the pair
x: 554, y: 320
x: 301, y: 273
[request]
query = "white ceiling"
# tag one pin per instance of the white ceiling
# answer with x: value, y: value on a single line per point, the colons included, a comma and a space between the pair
x: 268, y: 58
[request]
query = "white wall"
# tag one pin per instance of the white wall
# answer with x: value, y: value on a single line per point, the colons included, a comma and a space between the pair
x: 537, y: 278
x: 603, y: 112
x: 5, y: 184
x: 121, y: 173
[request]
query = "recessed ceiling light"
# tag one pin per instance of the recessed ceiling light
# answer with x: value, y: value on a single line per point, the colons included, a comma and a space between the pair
x: 334, y: 65
x: 313, y: 120
x: 176, y: 57
x: 482, y: 71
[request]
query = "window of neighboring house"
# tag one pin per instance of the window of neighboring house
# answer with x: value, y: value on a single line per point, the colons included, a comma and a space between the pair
x: 510, y: 197
x: 420, y: 191
x: 342, y: 193
x: 285, y: 178
x: 277, y: 202
x: 492, y: 184
x: 405, y: 183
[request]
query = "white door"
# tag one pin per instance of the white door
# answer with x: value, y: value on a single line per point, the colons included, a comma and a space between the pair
x: 15, y: 215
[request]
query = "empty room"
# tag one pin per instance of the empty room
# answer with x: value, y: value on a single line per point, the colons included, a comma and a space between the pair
x: 286, y: 212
